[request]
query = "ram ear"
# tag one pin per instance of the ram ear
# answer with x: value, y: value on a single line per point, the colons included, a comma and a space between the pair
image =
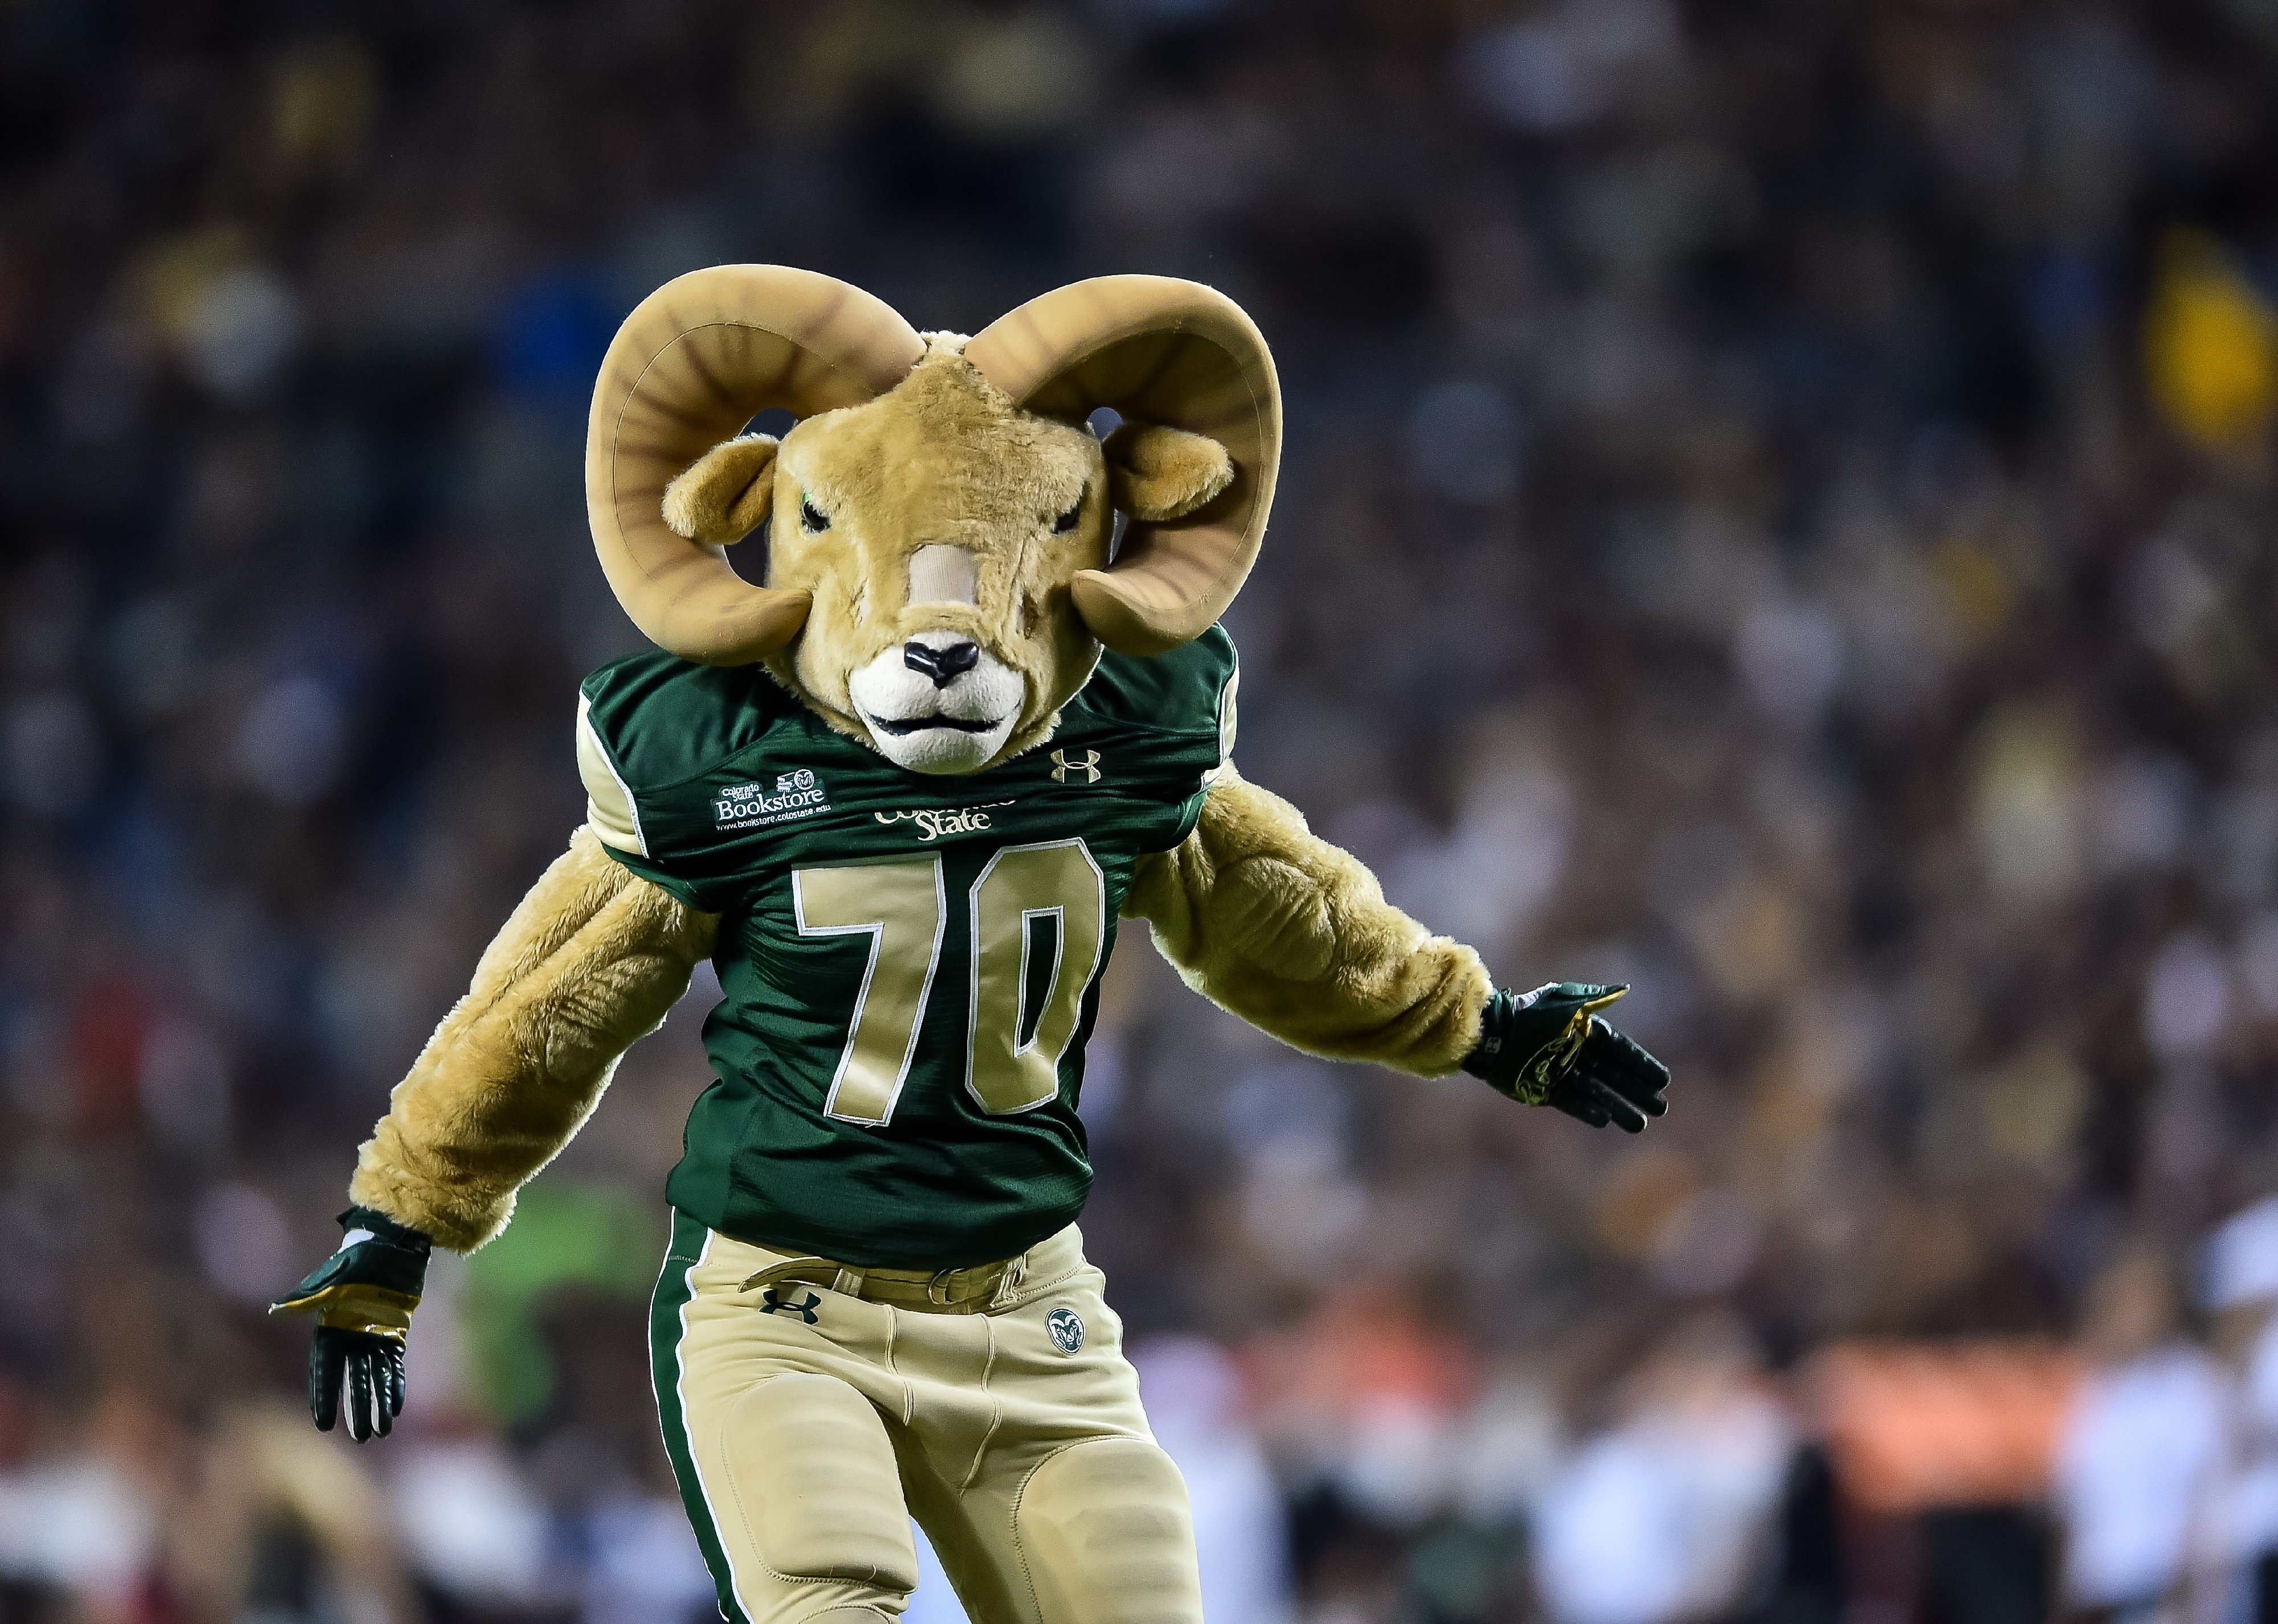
x: 1157, y: 473
x: 725, y: 494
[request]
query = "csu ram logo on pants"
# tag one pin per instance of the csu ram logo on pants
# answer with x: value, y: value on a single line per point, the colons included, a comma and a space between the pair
x: 797, y: 793
x: 1064, y: 1326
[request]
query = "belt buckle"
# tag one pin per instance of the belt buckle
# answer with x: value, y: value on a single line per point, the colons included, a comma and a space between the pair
x: 938, y: 1288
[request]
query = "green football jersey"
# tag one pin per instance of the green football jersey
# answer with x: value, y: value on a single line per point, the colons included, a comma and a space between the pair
x: 910, y: 963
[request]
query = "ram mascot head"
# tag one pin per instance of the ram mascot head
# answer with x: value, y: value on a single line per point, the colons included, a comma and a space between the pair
x: 939, y: 579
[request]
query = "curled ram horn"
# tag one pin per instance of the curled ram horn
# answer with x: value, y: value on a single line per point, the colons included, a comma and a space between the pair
x: 693, y: 363
x: 1157, y: 351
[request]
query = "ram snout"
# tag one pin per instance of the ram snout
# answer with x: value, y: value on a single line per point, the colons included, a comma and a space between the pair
x: 938, y: 703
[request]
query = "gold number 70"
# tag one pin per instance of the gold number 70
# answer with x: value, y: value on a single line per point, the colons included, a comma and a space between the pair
x: 902, y: 907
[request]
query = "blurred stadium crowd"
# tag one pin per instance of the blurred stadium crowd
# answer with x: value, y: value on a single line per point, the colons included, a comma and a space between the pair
x: 1777, y: 513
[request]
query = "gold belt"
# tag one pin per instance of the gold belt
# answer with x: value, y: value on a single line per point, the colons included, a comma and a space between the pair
x: 941, y: 1291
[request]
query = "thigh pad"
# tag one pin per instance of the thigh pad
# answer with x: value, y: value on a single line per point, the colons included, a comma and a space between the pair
x: 1106, y: 1536
x: 815, y: 1481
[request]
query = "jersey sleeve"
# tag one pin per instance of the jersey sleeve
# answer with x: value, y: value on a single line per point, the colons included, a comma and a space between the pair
x: 1227, y: 717
x: 613, y: 811
x: 1226, y: 720
x: 648, y: 728
x: 609, y: 808
x: 1190, y: 699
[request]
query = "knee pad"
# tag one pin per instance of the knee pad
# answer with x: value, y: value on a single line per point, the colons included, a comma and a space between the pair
x: 1106, y: 1536
x: 813, y: 1478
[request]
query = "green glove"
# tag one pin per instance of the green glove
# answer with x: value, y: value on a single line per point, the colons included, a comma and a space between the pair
x: 1549, y: 1048
x: 362, y: 1296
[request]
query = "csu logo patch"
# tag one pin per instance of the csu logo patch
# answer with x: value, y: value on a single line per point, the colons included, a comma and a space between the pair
x: 1085, y: 771
x: 798, y: 794
x: 1065, y: 1328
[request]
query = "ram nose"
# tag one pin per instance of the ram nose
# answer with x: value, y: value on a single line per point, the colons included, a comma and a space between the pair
x: 943, y: 665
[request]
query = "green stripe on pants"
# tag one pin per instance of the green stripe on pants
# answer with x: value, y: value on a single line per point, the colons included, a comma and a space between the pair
x: 664, y: 1333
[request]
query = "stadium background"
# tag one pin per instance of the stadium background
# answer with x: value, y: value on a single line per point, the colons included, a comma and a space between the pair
x: 1776, y: 511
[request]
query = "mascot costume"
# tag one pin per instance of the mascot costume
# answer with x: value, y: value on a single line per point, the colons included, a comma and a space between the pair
x: 900, y: 795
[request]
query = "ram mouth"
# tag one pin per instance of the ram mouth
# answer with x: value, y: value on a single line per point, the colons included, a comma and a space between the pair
x: 919, y: 724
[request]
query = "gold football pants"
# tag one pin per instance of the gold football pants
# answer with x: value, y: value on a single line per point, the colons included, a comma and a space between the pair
x: 807, y: 1424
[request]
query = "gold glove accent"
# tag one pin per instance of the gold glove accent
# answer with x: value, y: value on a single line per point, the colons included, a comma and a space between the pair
x: 1569, y: 1041
x: 373, y: 1309
x: 1551, y: 1060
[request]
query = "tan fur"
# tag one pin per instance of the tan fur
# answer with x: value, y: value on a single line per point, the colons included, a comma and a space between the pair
x: 1294, y: 935
x: 1282, y: 929
x: 945, y: 457
x: 1156, y: 473
x: 725, y: 495
x: 592, y: 959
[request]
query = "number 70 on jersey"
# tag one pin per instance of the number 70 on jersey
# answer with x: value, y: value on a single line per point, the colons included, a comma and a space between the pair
x: 903, y: 909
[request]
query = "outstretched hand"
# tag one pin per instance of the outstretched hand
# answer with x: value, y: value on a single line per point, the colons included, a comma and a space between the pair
x: 362, y: 1296
x: 1549, y: 1048
x: 367, y: 1368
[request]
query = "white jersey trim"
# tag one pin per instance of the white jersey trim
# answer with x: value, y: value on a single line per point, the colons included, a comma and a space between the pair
x: 609, y: 805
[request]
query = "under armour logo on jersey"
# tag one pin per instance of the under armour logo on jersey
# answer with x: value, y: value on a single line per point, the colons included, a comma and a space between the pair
x: 772, y: 1303
x: 1083, y: 772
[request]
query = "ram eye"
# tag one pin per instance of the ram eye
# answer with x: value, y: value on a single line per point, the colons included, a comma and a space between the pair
x: 1066, y: 522
x: 809, y: 518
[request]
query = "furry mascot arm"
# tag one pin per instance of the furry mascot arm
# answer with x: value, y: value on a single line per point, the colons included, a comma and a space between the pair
x: 1294, y: 935
x: 590, y: 961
